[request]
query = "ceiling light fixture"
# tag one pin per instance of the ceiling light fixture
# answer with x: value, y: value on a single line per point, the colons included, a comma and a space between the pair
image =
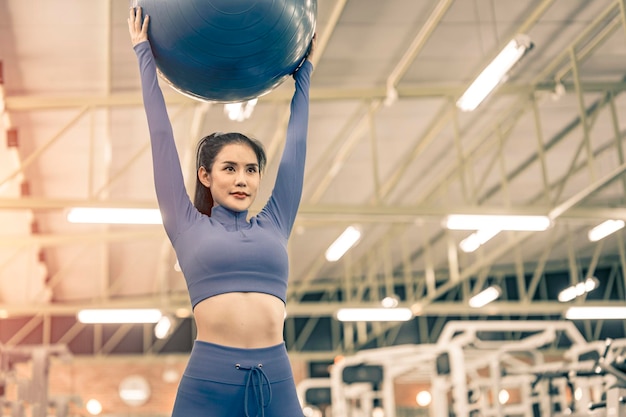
x: 240, y: 111
x: 595, y: 313
x: 485, y: 297
x: 605, y: 229
x: 569, y: 293
x: 477, y: 239
x: 374, y: 314
x: 119, y: 316
x: 390, y: 302
x: 499, y: 222
x: 164, y: 327
x: 100, y: 215
x: 344, y: 242
x: 495, y: 73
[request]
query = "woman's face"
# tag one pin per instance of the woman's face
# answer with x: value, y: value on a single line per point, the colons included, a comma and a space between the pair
x: 234, y: 178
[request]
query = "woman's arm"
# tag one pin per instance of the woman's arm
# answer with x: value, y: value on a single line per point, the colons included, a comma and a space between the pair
x: 174, y: 203
x: 285, y: 200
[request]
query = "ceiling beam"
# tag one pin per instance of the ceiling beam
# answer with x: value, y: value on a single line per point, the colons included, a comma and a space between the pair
x: 15, y: 103
x: 417, y: 45
x: 95, y: 237
x: 339, y: 213
x: 309, y: 309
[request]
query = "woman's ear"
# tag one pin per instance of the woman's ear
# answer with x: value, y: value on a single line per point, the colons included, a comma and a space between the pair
x: 203, y: 176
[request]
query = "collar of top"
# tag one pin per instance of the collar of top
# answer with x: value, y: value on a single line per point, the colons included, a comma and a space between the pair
x: 232, y: 220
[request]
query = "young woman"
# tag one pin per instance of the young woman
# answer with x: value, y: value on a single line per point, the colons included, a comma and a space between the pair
x: 236, y: 268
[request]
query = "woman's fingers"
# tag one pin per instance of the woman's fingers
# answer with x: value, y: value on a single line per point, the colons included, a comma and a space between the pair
x: 134, y: 18
x: 130, y: 18
x: 138, y: 19
x: 144, y: 26
x: 137, y: 26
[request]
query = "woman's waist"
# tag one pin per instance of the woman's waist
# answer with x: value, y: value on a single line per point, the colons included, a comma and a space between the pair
x: 245, y: 320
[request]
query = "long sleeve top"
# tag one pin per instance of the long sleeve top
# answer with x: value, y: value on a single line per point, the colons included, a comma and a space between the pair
x: 227, y: 252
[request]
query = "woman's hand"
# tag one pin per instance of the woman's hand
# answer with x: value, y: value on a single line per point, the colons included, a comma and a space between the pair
x: 138, y: 30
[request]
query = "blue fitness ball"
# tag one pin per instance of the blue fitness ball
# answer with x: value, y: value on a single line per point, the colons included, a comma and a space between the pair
x: 228, y: 50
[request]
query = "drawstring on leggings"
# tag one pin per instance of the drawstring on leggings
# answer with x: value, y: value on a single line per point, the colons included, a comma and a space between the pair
x: 256, y: 379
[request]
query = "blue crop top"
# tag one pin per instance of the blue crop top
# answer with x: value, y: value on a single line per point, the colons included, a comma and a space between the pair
x: 226, y: 252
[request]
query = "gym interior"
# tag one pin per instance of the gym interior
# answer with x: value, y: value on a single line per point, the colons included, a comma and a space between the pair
x: 486, y: 275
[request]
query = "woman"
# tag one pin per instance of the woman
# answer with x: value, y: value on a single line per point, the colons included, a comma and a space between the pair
x: 236, y: 269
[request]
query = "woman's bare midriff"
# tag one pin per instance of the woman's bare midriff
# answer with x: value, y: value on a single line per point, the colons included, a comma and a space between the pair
x: 241, y: 319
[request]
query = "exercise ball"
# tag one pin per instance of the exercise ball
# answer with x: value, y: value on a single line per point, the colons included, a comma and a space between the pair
x: 228, y: 50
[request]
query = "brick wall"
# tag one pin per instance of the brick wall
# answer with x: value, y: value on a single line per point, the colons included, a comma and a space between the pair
x: 99, y: 378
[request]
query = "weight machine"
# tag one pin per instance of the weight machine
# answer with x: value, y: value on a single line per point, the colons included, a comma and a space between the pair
x: 475, y: 363
x: 364, y: 381
x: 314, y: 392
x: 31, y: 394
x: 597, y: 377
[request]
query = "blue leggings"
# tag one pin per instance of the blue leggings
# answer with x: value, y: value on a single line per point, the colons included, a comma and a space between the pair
x: 223, y: 381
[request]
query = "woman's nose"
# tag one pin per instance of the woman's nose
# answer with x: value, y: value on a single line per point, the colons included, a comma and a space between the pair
x: 241, y: 180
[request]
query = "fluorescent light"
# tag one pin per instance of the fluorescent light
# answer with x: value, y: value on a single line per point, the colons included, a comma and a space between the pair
x: 604, y: 229
x: 500, y: 222
x: 477, y: 239
x: 240, y: 111
x: 485, y: 297
x: 164, y: 327
x: 390, y: 302
x: 119, y: 316
x: 374, y: 314
x: 494, y: 73
x: 595, y: 313
x: 345, y: 241
x: 569, y: 293
x: 114, y: 215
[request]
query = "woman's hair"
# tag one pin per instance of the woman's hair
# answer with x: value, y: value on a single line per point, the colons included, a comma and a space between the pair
x: 208, y: 148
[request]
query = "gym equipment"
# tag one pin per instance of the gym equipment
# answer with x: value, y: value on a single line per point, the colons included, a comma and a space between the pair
x: 475, y: 363
x: 228, y: 50
x: 605, y: 377
x: 365, y: 381
x: 32, y: 392
x: 315, y: 394
x: 363, y: 373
